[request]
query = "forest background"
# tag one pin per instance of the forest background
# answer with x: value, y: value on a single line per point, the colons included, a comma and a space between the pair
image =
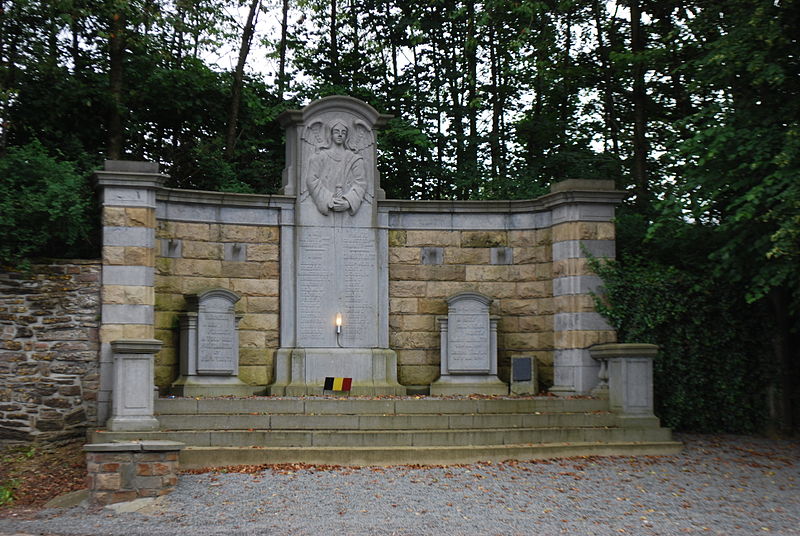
x: 689, y: 105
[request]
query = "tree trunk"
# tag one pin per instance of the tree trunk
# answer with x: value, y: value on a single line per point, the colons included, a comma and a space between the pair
x: 471, y: 52
x: 282, y: 50
x: 238, y: 77
x: 639, y: 97
x: 333, y: 51
x: 116, y: 58
x: 610, y: 113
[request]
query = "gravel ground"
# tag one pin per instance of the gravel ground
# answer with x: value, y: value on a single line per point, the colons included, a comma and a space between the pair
x: 722, y: 485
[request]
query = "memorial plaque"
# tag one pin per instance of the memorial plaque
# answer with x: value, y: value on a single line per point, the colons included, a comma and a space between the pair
x: 218, y: 348
x: 335, y: 296
x: 521, y: 369
x: 468, y: 342
x: 468, y: 348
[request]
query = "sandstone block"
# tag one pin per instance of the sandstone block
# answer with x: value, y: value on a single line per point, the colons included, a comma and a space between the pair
x: 108, y: 481
x: 483, y: 239
x: 417, y: 374
x: 198, y: 267
x: 114, y: 217
x: 407, y: 289
x: 467, y: 255
x: 534, y: 289
x: 189, y: 231
x: 399, y: 255
x: 140, y: 217
x: 245, y: 270
x: 239, y: 233
x: 571, y: 267
x: 432, y: 238
x: 192, y: 249
x: 531, y: 255
x: 536, y: 323
x: 263, y: 252
x: 419, y: 323
x: 194, y: 285
x: 403, y: 305
x: 432, y: 306
x: 254, y: 375
x: 255, y: 287
x: 259, y: 322
x: 397, y: 238
x: 260, y: 304
x: 414, y: 340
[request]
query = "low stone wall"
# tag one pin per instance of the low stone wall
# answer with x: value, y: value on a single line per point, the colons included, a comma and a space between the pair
x: 120, y: 472
x: 49, y: 321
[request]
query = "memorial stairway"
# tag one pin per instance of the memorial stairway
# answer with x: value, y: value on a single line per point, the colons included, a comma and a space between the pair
x: 388, y: 431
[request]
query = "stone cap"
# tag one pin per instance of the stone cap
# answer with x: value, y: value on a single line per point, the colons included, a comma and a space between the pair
x: 131, y: 174
x: 581, y: 184
x: 136, y: 346
x: 623, y: 350
x: 135, y: 446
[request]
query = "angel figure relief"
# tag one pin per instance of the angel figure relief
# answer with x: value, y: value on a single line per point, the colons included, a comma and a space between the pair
x: 336, y: 176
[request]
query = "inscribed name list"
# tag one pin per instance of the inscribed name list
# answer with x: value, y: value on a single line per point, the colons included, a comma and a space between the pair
x: 468, y: 342
x: 216, y: 326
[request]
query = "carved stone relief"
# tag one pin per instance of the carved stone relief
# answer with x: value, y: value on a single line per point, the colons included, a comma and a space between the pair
x: 336, y: 174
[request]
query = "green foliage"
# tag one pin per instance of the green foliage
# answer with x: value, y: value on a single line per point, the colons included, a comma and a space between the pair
x: 709, y: 373
x: 44, y: 206
x: 7, y: 491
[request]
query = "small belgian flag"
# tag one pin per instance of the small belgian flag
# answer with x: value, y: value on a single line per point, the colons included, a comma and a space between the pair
x: 337, y: 384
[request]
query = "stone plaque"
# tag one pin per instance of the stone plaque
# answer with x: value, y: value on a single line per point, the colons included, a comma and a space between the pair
x: 468, y: 335
x: 468, y: 348
x: 521, y: 369
x: 218, y: 346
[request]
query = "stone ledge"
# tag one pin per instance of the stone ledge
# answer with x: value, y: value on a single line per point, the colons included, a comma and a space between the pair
x: 134, y: 446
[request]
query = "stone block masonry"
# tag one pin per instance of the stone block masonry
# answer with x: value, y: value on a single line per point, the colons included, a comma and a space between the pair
x: 520, y: 289
x: 49, y: 377
x: 212, y: 254
x: 120, y: 472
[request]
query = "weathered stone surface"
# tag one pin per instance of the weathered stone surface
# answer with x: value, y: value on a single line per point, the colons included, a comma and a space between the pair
x: 49, y: 350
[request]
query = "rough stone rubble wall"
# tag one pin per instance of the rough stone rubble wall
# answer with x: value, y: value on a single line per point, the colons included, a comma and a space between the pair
x: 49, y: 322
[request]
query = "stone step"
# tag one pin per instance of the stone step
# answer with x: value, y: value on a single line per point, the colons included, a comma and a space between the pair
x: 383, y: 422
x: 345, y: 406
x: 389, y: 438
x: 205, y: 457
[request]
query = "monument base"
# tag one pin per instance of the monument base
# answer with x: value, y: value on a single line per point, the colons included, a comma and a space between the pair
x: 469, y: 384
x: 133, y: 423
x: 302, y: 371
x: 213, y: 386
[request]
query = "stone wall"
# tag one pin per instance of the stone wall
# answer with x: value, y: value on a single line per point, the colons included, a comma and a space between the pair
x: 200, y: 256
x: 49, y: 379
x: 511, y: 267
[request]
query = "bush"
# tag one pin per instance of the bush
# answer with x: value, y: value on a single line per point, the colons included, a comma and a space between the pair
x: 709, y: 374
x: 45, y: 205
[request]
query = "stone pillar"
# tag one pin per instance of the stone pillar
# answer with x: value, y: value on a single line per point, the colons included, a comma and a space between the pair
x: 630, y: 379
x: 132, y: 407
x: 582, y: 225
x: 128, y: 197
x: 120, y: 472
